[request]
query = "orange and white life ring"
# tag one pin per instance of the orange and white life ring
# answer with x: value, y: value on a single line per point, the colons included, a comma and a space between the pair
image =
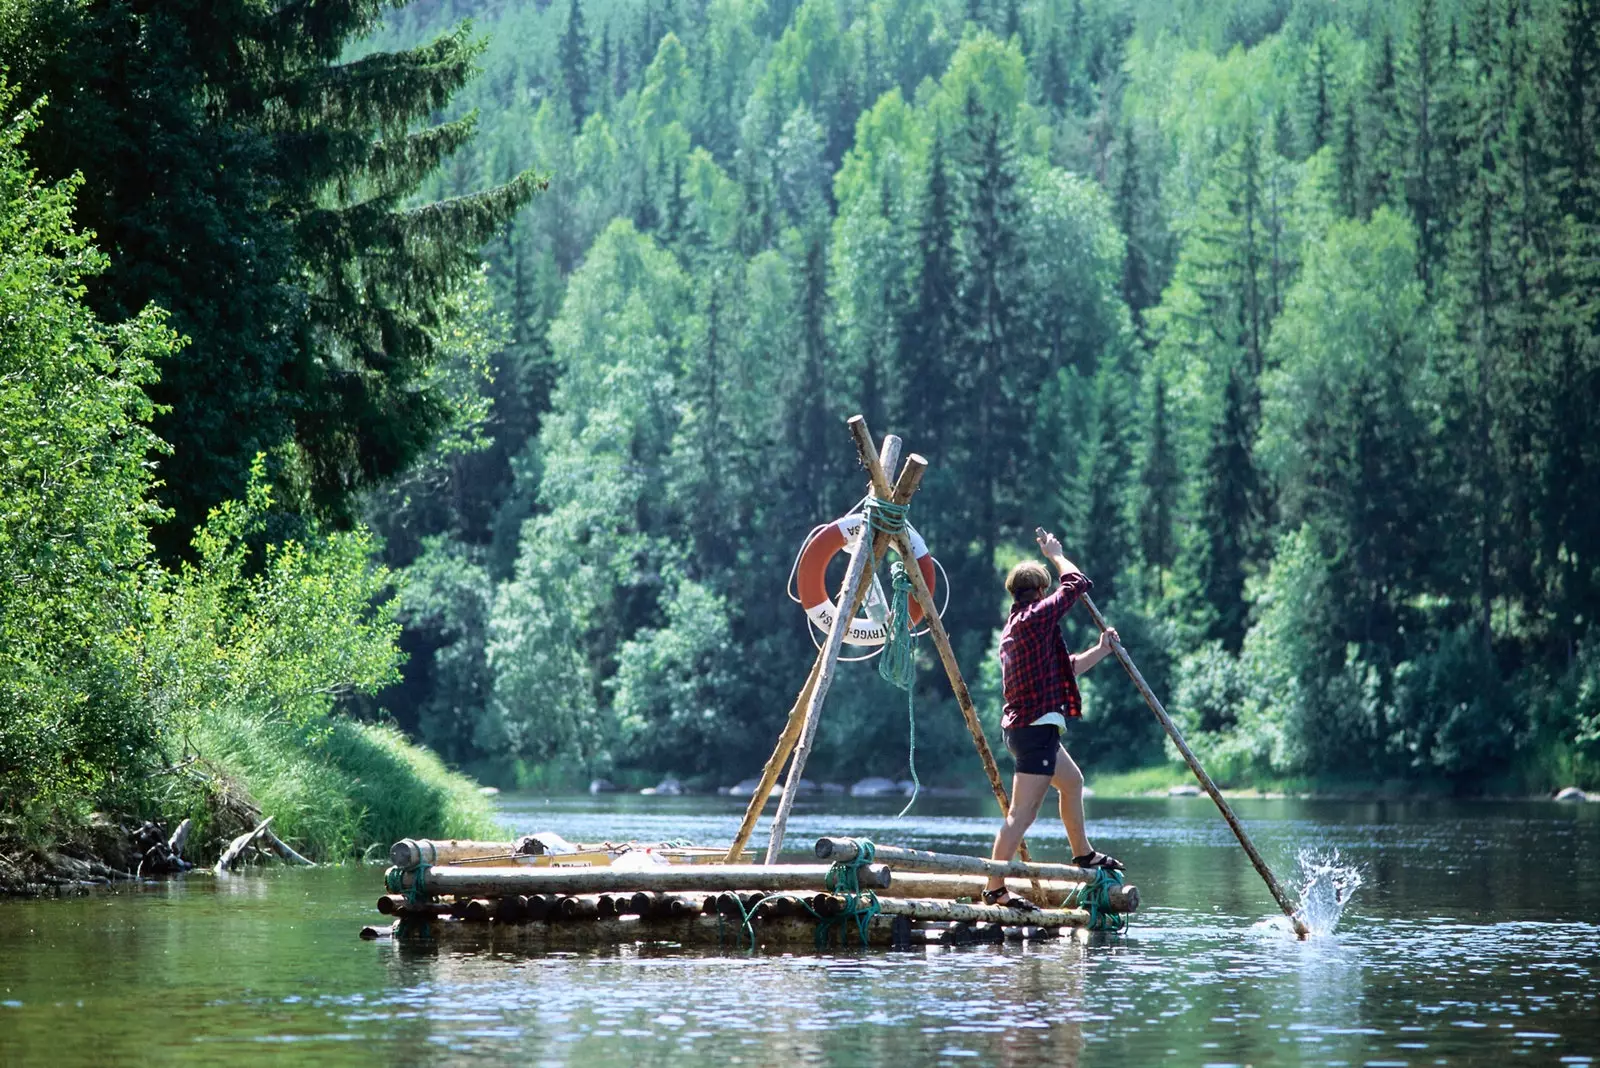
x: 811, y: 582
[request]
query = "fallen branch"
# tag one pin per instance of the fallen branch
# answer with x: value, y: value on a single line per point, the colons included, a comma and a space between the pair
x: 230, y: 856
x: 285, y: 851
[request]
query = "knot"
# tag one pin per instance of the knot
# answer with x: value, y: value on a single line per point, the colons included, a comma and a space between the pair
x: 887, y: 517
x: 1095, y: 899
x: 844, y: 879
x: 394, y: 880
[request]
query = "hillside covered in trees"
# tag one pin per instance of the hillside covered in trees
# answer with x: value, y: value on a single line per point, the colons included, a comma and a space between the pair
x: 1282, y: 313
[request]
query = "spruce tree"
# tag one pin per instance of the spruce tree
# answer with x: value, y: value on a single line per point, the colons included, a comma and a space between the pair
x: 1226, y: 520
x: 259, y: 187
x: 927, y: 329
x: 1159, y: 482
x: 574, y: 60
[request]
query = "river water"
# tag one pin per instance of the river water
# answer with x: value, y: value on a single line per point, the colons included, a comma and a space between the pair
x: 1475, y: 939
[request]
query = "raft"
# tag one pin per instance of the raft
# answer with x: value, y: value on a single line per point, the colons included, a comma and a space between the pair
x: 500, y: 895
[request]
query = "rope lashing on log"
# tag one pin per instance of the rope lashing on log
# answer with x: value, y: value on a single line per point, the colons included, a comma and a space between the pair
x: 844, y: 879
x: 898, y: 665
x: 394, y: 880
x: 1095, y: 899
x: 887, y: 517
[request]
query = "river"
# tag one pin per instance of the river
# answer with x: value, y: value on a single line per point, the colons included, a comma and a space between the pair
x: 1475, y: 939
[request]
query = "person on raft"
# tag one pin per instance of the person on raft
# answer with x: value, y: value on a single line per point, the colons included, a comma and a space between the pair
x: 1039, y: 677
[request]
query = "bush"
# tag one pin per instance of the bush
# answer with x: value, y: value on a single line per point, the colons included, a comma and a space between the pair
x: 73, y: 505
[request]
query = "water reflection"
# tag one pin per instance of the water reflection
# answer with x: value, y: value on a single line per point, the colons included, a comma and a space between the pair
x: 1459, y: 949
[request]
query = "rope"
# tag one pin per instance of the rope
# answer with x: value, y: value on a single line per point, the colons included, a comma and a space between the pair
x: 1095, y: 899
x: 844, y: 879
x: 394, y: 881
x: 898, y: 665
x: 887, y: 517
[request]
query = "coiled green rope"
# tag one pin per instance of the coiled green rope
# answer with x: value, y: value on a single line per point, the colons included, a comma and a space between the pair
x: 395, y: 878
x: 1095, y: 899
x: 898, y: 664
x: 844, y: 879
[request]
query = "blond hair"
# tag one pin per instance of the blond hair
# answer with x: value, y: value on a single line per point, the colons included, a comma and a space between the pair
x: 1027, y: 577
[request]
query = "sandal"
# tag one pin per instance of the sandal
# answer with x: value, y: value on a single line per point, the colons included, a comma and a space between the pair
x: 1012, y: 901
x: 1094, y: 859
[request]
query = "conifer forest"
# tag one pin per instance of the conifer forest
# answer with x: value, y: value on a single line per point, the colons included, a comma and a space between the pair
x: 468, y: 373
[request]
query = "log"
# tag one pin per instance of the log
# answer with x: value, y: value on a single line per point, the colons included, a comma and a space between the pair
x: 941, y: 639
x: 230, y: 856
x: 474, y: 881
x: 796, y: 721
x: 903, y: 859
x: 612, y: 904
x: 858, y: 578
x: 508, y: 909
x: 409, y: 853
x: 477, y: 910
x: 1273, y: 886
x: 180, y: 838
x: 396, y: 905
x: 584, y: 907
x: 1124, y: 898
x: 284, y: 849
x: 535, y: 907
x: 931, y: 909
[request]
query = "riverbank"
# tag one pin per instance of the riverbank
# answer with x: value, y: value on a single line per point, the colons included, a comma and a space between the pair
x: 336, y: 790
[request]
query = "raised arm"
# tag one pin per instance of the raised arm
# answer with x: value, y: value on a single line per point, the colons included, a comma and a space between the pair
x: 1095, y: 653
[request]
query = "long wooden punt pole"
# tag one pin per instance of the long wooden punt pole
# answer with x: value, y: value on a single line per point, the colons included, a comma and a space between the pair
x: 797, y: 714
x: 1210, y: 787
x: 667, y: 878
x: 857, y: 577
x: 941, y: 638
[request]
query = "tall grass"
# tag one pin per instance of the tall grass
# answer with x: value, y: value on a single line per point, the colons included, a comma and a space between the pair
x: 338, y: 789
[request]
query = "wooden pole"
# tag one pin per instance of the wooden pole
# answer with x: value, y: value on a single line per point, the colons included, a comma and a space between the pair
x: 1124, y: 898
x: 1210, y: 787
x: 941, y: 640
x: 792, y: 727
x: 898, y: 857
x: 856, y: 581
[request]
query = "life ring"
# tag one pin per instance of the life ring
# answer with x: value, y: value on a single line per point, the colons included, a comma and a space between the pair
x: 811, y: 581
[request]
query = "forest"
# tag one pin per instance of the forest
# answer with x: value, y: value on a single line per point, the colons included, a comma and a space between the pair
x: 470, y: 372
x: 1282, y: 314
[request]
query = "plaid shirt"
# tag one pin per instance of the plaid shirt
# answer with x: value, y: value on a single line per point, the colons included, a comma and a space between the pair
x: 1035, y: 666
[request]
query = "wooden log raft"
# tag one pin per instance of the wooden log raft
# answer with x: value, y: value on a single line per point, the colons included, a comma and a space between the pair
x: 496, y: 882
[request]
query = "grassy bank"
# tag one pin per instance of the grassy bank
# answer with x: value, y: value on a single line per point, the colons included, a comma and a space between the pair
x: 335, y: 790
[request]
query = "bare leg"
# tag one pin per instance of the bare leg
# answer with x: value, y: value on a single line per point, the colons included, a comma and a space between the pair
x: 1027, y: 792
x: 1068, y: 781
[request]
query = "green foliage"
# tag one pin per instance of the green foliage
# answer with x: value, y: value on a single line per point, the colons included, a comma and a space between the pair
x: 262, y: 187
x: 73, y: 500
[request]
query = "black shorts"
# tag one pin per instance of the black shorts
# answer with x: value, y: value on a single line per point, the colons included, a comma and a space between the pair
x: 1034, y: 748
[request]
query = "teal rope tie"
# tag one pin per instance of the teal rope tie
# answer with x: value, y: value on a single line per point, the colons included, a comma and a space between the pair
x: 898, y: 664
x: 1095, y: 899
x: 394, y: 881
x: 844, y: 879
x: 887, y: 517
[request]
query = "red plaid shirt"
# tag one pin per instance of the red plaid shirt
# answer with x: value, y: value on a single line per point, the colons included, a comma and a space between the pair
x: 1035, y: 666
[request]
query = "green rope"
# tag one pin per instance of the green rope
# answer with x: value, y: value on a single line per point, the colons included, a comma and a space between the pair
x: 844, y: 879
x: 887, y: 517
x: 1095, y: 899
x: 898, y: 664
x: 395, y: 878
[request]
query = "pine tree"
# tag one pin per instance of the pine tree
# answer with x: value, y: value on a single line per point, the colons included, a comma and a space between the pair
x: 1347, y: 190
x: 1420, y: 79
x: 1319, y: 106
x: 927, y: 329
x: 1159, y: 481
x: 574, y: 60
x: 1381, y: 150
x: 1227, y: 517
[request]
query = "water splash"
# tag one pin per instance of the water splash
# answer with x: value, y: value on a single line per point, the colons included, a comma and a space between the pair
x: 1327, y: 882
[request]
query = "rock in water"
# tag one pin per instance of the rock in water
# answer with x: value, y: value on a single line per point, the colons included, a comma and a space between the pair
x: 876, y: 786
x: 1571, y: 793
